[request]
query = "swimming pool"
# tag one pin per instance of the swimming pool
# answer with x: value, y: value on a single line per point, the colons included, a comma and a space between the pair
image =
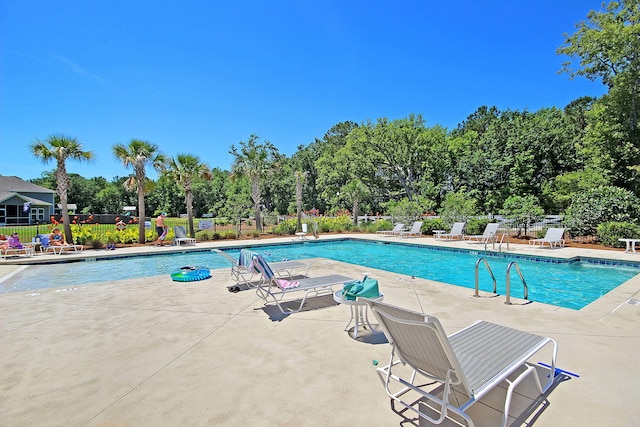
x: 557, y: 282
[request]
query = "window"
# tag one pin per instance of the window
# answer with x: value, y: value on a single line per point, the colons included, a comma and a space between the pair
x: 37, y: 214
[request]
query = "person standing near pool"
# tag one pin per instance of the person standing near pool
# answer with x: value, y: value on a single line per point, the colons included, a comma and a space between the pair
x: 160, y: 229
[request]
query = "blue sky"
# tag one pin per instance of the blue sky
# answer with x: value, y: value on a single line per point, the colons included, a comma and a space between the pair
x: 198, y: 76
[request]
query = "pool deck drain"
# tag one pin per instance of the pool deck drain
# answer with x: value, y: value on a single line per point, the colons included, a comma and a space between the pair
x: 151, y: 351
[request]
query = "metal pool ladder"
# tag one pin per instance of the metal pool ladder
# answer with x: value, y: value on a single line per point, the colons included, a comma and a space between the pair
x: 494, y: 241
x: 486, y: 264
x: 524, y: 282
x: 495, y: 285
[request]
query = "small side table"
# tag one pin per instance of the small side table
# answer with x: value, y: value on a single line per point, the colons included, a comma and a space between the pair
x: 631, y: 244
x: 439, y: 233
x: 359, y: 312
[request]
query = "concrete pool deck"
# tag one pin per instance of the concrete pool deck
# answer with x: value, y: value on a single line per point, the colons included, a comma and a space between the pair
x: 150, y: 351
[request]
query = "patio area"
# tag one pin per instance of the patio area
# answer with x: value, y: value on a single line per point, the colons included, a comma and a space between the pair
x: 149, y: 352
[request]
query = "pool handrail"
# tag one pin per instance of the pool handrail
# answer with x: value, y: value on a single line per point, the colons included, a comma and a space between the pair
x: 493, y: 277
x: 524, y: 282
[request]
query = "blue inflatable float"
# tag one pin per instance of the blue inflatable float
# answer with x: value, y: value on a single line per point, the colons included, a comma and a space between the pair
x: 190, y: 273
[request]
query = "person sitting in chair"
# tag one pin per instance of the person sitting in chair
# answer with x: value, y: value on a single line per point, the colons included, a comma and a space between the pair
x: 4, y: 243
x: 14, y: 241
x: 56, y: 238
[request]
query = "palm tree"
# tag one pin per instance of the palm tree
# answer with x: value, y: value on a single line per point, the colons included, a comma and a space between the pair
x: 137, y: 154
x: 183, y: 170
x: 300, y: 177
x: 254, y: 161
x: 355, y: 191
x: 61, y: 148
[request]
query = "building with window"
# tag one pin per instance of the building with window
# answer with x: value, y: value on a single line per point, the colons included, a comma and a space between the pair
x: 22, y: 202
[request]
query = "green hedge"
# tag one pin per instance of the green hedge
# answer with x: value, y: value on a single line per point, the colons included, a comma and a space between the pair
x: 434, y: 224
x: 610, y: 232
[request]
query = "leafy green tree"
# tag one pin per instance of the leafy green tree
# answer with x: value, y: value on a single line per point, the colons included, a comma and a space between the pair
x: 216, y: 197
x: 608, y: 146
x: 184, y: 169
x: 496, y: 154
x: 255, y: 161
x: 164, y: 195
x: 592, y: 207
x: 407, y: 211
x: 392, y: 155
x: 458, y: 207
x: 61, y: 148
x: 304, y: 159
x: 354, y: 192
x: 523, y: 211
x: 558, y: 192
x: 332, y: 165
x: 481, y: 163
x: 201, y: 189
x: 82, y: 191
x: 112, y: 198
x: 137, y: 154
x: 606, y: 47
x: 238, y: 199
x: 278, y: 189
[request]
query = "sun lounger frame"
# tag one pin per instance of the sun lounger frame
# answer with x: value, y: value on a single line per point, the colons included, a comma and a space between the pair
x: 270, y: 289
x: 470, y: 362
x: 284, y: 269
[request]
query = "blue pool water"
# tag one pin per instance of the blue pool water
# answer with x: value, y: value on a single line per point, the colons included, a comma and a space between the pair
x: 565, y: 284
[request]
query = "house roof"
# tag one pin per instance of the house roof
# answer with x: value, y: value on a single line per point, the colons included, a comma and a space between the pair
x: 6, y: 195
x: 13, y: 184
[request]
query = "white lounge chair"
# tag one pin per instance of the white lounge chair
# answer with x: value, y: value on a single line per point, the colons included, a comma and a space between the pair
x: 489, y: 234
x: 15, y: 247
x: 46, y: 246
x: 415, y: 231
x: 242, y: 269
x: 181, y: 236
x: 271, y: 288
x: 399, y: 228
x: 554, y: 237
x: 25, y: 249
x: 302, y: 235
x: 455, y: 233
x: 451, y: 373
